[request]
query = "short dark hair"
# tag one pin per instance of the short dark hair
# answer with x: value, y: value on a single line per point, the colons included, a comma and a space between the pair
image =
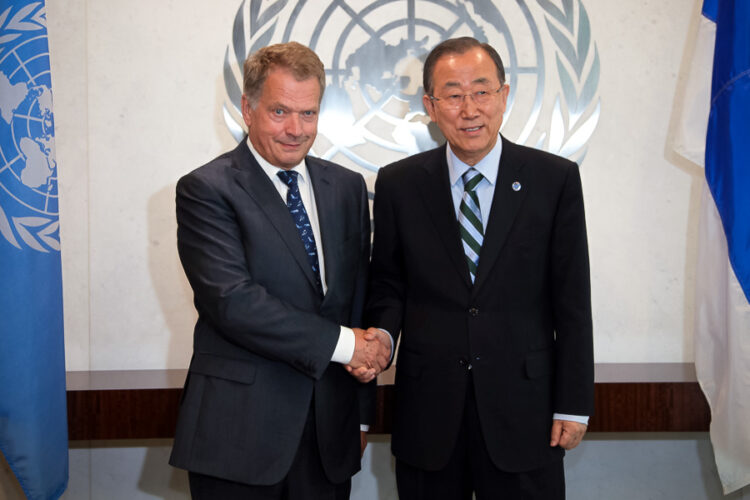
x: 301, y: 61
x: 458, y: 46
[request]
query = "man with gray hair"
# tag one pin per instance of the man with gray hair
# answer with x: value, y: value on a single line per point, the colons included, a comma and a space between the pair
x: 275, y: 244
x: 480, y: 260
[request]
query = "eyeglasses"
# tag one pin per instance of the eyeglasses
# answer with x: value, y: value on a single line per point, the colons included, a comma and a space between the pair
x: 455, y: 101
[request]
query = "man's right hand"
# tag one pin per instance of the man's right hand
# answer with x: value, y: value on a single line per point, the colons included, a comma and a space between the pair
x: 371, y: 355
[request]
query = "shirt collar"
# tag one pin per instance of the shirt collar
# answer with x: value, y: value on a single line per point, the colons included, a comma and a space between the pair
x: 487, y: 166
x: 272, y: 170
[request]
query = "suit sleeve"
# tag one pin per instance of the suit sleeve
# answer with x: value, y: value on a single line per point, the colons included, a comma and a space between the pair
x: 366, y: 392
x: 212, y: 250
x: 385, y: 303
x: 571, y: 295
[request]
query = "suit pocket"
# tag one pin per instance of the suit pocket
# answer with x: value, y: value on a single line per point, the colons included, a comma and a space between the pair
x: 225, y: 368
x: 539, y: 364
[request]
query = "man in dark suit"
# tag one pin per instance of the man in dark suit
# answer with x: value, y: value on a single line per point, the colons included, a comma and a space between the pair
x: 275, y: 245
x: 480, y: 260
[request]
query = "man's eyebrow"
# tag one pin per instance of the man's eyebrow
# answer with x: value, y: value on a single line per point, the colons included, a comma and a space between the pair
x: 457, y: 84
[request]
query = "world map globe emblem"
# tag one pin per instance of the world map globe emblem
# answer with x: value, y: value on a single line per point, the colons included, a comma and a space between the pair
x: 373, y: 53
x: 29, y: 207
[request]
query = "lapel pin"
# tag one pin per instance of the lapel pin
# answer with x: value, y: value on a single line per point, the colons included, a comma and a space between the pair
x: 516, y: 186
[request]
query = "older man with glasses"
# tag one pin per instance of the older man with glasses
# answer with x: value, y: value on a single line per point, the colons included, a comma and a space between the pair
x: 480, y: 262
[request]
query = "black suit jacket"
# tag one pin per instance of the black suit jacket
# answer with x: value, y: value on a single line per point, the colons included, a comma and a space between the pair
x: 264, y: 336
x: 524, y: 328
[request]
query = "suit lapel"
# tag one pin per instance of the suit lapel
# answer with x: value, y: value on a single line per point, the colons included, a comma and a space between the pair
x: 254, y: 180
x: 505, y: 205
x: 327, y: 204
x: 435, y: 190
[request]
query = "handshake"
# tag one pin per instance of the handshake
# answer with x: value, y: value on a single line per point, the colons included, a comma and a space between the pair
x: 372, y: 353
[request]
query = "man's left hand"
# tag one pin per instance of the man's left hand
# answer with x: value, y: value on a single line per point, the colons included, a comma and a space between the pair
x: 567, y: 434
x: 385, y: 342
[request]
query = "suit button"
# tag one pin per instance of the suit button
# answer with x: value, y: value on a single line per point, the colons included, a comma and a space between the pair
x: 474, y: 311
x: 464, y: 363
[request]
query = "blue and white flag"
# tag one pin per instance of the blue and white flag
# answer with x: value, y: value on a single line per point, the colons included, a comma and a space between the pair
x: 722, y: 328
x: 33, y: 420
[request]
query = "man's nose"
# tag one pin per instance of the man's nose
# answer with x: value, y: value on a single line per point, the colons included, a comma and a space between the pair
x: 468, y: 107
x: 294, y: 125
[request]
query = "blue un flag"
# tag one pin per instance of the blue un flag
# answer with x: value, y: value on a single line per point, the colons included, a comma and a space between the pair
x: 33, y: 423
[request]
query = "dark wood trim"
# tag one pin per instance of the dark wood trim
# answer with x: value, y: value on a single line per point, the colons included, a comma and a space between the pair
x: 649, y: 407
x: 122, y: 413
x: 95, y: 414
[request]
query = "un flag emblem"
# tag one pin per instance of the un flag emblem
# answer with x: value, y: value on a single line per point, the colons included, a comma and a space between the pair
x: 373, y: 52
x: 28, y: 171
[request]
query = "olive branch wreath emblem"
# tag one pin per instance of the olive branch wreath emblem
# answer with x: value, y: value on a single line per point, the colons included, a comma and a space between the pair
x: 42, y: 228
x: 258, y: 22
x: 32, y: 230
x: 570, y: 131
x: 574, y: 115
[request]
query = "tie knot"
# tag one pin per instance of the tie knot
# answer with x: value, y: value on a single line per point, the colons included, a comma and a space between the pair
x: 288, y: 177
x: 471, y: 178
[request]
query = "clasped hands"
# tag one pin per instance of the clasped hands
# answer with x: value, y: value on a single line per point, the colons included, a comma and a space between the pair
x: 372, y: 353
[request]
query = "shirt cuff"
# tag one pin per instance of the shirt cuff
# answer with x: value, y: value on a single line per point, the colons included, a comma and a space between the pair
x: 391, y: 337
x: 573, y: 418
x: 344, y: 347
x: 364, y: 427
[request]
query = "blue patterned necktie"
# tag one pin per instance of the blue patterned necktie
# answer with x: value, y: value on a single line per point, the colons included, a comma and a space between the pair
x: 302, y: 221
x: 470, y: 220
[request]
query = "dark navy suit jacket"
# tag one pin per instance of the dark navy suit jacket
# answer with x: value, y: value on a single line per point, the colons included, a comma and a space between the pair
x: 264, y: 336
x: 524, y: 327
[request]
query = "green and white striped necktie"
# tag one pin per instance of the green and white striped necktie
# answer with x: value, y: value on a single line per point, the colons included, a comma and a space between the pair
x: 470, y: 220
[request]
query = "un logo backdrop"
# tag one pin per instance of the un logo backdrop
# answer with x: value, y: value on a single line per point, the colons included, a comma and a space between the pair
x: 373, y: 52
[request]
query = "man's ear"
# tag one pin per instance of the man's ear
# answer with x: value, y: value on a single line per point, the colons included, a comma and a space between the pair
x: 429, y: 106
x: 246, y: 115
